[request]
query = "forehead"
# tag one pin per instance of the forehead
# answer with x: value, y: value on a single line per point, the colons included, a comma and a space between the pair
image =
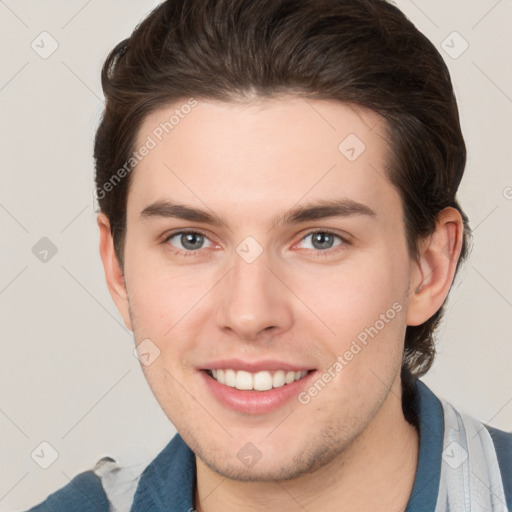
x: 267, y: 152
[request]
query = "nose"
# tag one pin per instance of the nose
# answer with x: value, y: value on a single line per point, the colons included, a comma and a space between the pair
x: 252, y: 301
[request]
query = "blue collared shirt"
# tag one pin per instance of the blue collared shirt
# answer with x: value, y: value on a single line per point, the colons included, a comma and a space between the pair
x: 168, y: 483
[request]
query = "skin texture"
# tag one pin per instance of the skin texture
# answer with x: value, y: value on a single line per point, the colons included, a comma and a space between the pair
x: 250, y: 164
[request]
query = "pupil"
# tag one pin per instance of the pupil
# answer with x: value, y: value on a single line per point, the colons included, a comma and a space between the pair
x: 322, y: 240
x: 192, y: 240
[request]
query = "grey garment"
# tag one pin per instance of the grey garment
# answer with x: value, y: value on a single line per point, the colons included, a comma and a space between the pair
x: 470, y: 473
x: 119, y: 483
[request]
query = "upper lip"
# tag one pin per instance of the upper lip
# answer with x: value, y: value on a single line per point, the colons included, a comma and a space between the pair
x: 254, y: 366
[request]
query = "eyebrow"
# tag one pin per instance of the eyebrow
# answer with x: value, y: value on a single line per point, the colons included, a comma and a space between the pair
x: 323, y: 210
x: 298, y: 214
x: 167, y: 209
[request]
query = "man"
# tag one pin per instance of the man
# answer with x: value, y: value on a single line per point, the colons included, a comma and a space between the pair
x: 279, y: 228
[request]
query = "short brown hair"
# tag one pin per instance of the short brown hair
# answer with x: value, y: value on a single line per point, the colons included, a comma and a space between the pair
x: 361, y: 52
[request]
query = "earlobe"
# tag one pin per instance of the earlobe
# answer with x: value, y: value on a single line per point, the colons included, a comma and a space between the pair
x: 113, y: 271
x: 435, y: 268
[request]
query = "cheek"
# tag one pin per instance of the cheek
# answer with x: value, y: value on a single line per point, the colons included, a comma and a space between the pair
x: 162, y: 296
x: 364, y: 307
x: 168, y: 307
x: 350, y: 299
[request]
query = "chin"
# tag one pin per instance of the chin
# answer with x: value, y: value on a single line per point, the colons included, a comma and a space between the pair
x: 276, y: 467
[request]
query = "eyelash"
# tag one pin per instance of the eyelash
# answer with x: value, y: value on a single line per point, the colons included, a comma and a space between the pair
x: 181, y: 252
x: 317, y: 252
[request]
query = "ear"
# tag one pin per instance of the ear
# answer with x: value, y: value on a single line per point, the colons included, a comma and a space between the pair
x: 433, y: 273
x: 113, y: 271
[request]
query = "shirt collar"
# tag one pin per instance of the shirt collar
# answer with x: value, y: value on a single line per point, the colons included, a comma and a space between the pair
x: 428, y: 471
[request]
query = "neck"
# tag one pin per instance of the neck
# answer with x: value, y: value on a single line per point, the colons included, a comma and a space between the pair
x: 376, y: 472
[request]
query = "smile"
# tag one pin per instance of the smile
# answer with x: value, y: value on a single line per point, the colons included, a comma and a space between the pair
x: 259, y: 381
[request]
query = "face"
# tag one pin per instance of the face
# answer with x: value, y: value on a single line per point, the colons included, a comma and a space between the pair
x: 266, y: 263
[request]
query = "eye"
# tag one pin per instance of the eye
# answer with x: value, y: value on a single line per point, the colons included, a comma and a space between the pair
x: 321, y: 240
x: 189, y: 240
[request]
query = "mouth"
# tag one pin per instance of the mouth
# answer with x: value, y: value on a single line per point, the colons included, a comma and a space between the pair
x: 257, y: 381
x: 255, y: 388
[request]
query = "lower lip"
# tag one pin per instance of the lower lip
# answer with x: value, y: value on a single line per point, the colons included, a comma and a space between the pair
x: 255, y: 402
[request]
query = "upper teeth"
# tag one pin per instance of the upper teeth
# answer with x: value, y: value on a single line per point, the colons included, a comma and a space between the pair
x: 260, y: 381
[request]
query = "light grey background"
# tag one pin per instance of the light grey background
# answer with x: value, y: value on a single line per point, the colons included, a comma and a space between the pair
x: 68, y: 375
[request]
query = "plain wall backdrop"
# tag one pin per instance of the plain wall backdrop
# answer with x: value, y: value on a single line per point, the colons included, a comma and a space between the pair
x: 68, y: 374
